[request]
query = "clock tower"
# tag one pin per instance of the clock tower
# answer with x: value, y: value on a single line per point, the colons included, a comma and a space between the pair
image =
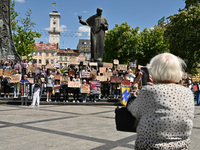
x: 54, y: 33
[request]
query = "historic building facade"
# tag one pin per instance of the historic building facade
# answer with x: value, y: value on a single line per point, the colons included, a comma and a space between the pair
x: 84, y: 48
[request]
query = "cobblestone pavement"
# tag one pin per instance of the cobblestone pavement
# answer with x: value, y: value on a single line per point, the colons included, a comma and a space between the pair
x: 54, y: 127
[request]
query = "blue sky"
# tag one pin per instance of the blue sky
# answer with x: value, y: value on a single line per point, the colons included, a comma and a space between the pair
x: 141, y: 13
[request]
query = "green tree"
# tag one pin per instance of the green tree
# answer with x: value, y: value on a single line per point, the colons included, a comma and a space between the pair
x: 183, y: 34
x: 121, y: 43
x: 151, y: 42
x: 23, y: 34
x: 189, y: 3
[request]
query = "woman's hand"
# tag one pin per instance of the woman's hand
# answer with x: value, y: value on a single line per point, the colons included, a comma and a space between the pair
x: 138, y: 79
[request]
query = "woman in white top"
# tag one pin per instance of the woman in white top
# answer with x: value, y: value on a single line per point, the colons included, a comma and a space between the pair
x: 165, y: 110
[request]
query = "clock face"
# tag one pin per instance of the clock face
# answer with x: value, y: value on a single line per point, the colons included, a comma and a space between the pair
x: 54, y: 22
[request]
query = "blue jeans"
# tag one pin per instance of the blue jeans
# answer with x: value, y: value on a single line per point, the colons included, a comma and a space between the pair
x: 41, y: 90
x: 116, y: 93
x: 84, y: 96
x: 16, y: 90
x: 198, y: 98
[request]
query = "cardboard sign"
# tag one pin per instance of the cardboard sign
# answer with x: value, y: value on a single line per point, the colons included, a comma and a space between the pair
x: 24, y: 57
x: 85, y: 63
x: 102, y: 78
x: 74, y: 61
x: 116, y: 61
x: 1, y: 72
x: 122, y: 67
x: 56, y: 86
x: 116, y: 79
x: 184, y: 76
x: 57, y: 77
x: 189, y: 76
x: 32, y: 69
x: 85, y: 88
x: 74, y: 84
x: 71, y: 73
x: 85, y: 74
x: 15, y: 78
x: 139, y: 66
x: 132, y: 64
x: 8, y: 73
x: 56, y: 65
x: 93, y: 72
x: 108, y: 74
x: 64, y: 80
x: 108, y: 65
x: 102, y: 69
x: 49, y: 66
x: 31, y: 80
x: 93, y: 64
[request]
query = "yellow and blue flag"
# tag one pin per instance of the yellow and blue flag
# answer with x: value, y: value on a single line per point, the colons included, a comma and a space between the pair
x: 125, y: 91
x: 53, y: 3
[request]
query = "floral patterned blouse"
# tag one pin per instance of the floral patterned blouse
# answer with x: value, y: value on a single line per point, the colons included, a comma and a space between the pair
x: 165, y: 113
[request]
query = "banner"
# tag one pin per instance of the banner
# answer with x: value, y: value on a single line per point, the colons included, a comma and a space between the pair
x: 116, y: 79
x: 108, y: 65
x: 15, y: 78
x: 74, y: 84
x: 57, y: 77
x: 125, y: 91
x: 102, y: 69
x: 116, y: 61
x: 85, y: 74
x: 8, y: 73
x: 93, y: 64
x: 85, y: 63
x: 122, y: 67
x: 31, y: 80
x: 85, y: 88
x: 74, y: 61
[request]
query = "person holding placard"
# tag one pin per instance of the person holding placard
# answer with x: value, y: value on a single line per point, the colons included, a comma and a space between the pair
x: 6, y: 81
x: 84, y: 95
x: 16, y: 88
x: 36, y: 93
x: 49, y: 85
x: 65, y: 88
x: 41, y: 75
x: 24, y: 65
x: 57, y: 91
x: 24, y: 83
x: 76, y: 90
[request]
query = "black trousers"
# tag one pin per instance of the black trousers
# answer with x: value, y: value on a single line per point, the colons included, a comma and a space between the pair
x: 106, y: 89
x: 76, y: 93
x: 57, y: 96
x: 65, y: 92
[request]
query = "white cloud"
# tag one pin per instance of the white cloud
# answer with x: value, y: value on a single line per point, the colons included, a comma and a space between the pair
x: 83, y: 29
x: 63, y: 28
x: 38, y: 40
x: 20, y: 1
x: 84, y: 12
x: 47, y: 29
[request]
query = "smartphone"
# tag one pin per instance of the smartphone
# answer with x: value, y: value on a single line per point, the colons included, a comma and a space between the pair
x: 145, y: 77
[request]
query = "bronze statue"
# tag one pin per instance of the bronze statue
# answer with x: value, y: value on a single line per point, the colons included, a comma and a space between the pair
x: 7, y: 47
x: 98, y: 25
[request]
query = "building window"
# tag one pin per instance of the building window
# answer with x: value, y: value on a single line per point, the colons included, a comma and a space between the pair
x: 47, y: 54
x: 52, y: 61
x: 51, y: 54
x: 60, y: 58
x: 40, y: 53
x: 54, y: 29
x: 84, y: 43
x: 65, y: 58
x: 47, y: 61
x: 40, y: 61
x: 36, y: 53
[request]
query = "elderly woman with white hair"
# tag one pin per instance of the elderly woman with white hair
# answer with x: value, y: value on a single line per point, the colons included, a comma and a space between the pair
x: 165, y: 110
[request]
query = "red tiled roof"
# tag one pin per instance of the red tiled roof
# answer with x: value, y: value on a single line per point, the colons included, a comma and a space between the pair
x: 46, y: 46
x: 67, y: 51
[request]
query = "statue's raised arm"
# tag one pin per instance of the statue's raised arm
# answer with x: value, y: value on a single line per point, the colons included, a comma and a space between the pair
x: 81, y: 21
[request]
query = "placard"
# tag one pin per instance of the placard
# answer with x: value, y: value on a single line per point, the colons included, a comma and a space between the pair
x: 74, y: 61
x: 85, y: 63
x: 15, y: 78
x: 56, y: 86
x: 74, y: 84
x: 93, y: 64
x: 139, y: 66
x: 122, y: 67
x: 102, y: 78
x: 31, y: 80
x: 57, y: 77
x: 82, y: 58
x: 102, y: 69
x: 85, y: 74
x: 189, y: 76
x: 93, y: 73
x: 116, y: 61
x: 43, y: 80
x: 64, y: 80
x: 108, y: 74
x: 132, y: 64
x: 24, y: 57
x: 108, y: 65
x: 49, y: 66
x: 116, y: 79
x: 8, y: 73
x: 1, y: 72
x: 32, y: 69
x: 85, y: 88
x: 56, y: 65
